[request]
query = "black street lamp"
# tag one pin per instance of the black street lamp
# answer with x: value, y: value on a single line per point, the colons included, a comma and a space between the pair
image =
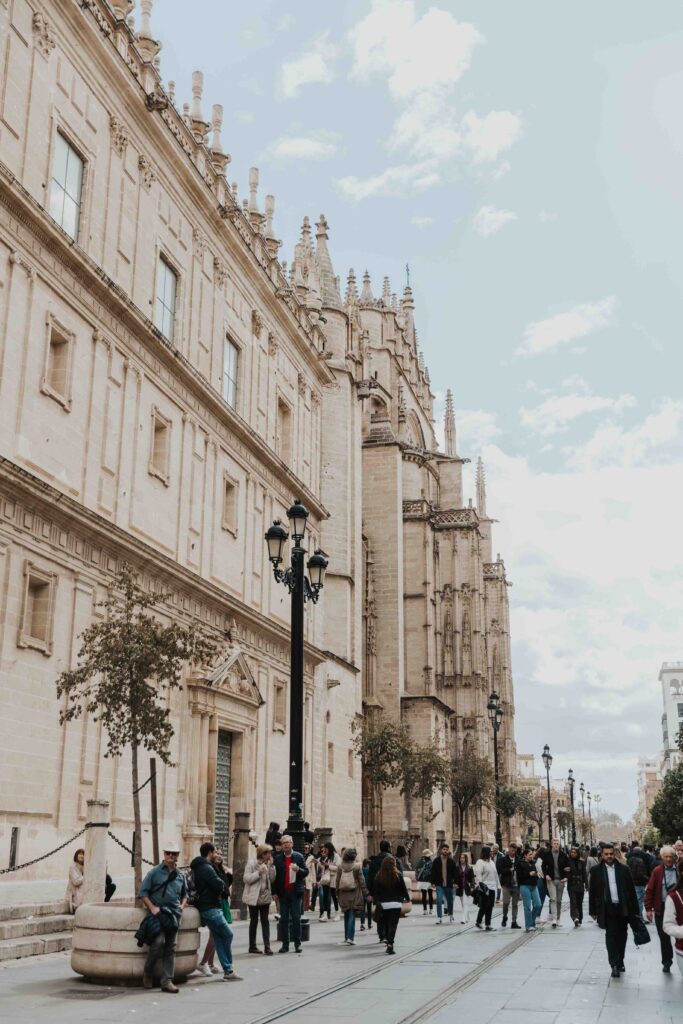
x: 582, y: 791
x: 570, y: 780
x: 496, y: 712
x: 547, y: 761
x: 302, y: 589
x: 590, y: 820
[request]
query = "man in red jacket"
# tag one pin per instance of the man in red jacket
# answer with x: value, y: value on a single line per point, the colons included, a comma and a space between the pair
x: 662, y: 880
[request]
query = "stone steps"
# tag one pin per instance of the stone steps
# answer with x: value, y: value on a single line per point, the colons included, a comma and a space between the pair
x: 30, y: 929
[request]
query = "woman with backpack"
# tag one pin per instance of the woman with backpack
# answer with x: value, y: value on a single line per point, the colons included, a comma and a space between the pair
x: 351, y: 892
x: 390, y: 893
x: 423, y: 874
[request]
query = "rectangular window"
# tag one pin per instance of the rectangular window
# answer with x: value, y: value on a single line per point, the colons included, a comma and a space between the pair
x: 230, y: 493
x: 56, y: 380
x: 160, y: 448
x: 280, y: 707
x: 38, y: 609
x: 330, y: 757
x: 66, y: 186
x: 230, y: 367
x: 283, y: 438
x: 164, y: 313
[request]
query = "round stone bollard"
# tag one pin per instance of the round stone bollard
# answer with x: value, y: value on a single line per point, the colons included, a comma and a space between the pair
x: 104, y: 947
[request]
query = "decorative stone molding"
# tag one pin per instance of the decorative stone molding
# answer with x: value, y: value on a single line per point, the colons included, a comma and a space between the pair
x: 315, y: 399
x: 256, y: 322
x: 220, y: 271
x: 199, y: 244
x: 301, y: 383
x: 45, y: 40
x: 272, y: 344
x: 119, y: 135
x: 18, y: 259
x: 147, y: 172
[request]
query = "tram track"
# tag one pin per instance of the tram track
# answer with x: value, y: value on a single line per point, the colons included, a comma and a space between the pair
x: 443, y: 996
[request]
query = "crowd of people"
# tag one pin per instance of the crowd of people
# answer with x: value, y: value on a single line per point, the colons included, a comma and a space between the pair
x: 627, y: 886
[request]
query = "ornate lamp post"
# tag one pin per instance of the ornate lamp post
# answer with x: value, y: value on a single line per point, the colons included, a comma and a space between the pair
x: 582, y: 791
x: 496, y: 717
x: 547, y: 761
x: 590, y: 820
x: 570, y: 780
x: 302, y: 589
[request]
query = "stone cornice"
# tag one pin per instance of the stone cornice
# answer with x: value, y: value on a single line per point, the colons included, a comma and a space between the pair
x: 191, y: 387
x: 103, y: 545
x: 167, y: 130
x: 441, y: 519
x: 431, y: 698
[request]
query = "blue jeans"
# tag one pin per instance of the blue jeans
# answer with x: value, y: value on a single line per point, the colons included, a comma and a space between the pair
x: 441, y: 891
x: 222, y: 936
x: 349, y: 924
x: 640, y: 892
x: 532, y: 904
x: 290, y: 909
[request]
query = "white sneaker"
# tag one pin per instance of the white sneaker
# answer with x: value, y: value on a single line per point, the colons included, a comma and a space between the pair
x: 463, y: 921
x: 424, y: 913
x: 452, y: 919
x: 438, y: 920
x: 205, y: 970
x: 216, y: 970
x: 351, y: 942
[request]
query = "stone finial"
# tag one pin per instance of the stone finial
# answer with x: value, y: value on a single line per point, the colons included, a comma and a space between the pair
x: 186, y: 114
x: 394, y: 302
x: 351, y: 297
x: 234, y: 190
x: 197, y: 89
x: 449, y: 424
x: 481, y: 489
x: 253, y: 189
x: 272, y: 243
x: 366, y: 296
x: 219, y: 159
x: 329, y: 283
x: 386, y: 292
x: 147, y: 45
x: 408, y: 301
x: 122, y: 8
x: 170, y: 89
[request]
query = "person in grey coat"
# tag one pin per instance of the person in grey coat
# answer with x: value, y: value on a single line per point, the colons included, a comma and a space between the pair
x: 259, y: 875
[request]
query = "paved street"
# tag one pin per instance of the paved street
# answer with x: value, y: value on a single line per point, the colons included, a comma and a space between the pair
x: 439, y: 975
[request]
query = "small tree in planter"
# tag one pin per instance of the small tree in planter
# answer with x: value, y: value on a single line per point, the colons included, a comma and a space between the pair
x: 470, y: 781
x: 382, y: 747
x: 127, y: 665
x: 425, y: 772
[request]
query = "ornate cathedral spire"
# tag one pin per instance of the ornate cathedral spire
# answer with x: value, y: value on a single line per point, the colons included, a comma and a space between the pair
x: 481, y: 489
x: 329, y: 283
x: 449, y: 424
x: 386, y: 293
x: 351, y: 297
x: 366, y: 296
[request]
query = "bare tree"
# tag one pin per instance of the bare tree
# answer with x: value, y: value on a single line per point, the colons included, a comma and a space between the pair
x: 470, y: 781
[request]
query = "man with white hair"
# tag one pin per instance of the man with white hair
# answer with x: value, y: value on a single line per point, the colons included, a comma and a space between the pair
x: 663, y: 880
x: 289, y: 885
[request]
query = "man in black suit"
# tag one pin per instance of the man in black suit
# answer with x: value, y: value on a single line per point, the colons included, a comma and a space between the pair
x: 289, y: 886
x: 612, y: 902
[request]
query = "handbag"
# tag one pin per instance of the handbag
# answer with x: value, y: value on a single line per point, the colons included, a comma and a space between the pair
x: 479, y: 892
x: 227, y: 913
x: 406, y: 907
x: 641, y: 936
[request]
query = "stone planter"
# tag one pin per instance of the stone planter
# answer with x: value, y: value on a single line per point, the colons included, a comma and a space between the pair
x: 104, y: 948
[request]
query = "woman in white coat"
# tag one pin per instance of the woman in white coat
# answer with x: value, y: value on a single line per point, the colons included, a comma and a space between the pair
x: 259, y: 875
x: 74, y: 888
x: 485, y: 874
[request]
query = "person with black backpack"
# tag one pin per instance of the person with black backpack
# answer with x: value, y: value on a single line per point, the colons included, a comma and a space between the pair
x: 640, y: 870
x: 423, y: 876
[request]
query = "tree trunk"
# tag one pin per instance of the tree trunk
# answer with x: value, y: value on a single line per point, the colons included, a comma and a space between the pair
x: 138, y: 824
x: 461, y: 841
x: 422, y: 822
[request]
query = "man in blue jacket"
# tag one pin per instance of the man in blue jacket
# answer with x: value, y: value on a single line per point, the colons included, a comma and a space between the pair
x: 290, y: 872
x: 210, y: 892
x: 164, y: 894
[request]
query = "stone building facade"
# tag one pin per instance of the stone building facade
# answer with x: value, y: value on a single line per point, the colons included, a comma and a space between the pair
x: 167, y: 387
x: 161, y: 394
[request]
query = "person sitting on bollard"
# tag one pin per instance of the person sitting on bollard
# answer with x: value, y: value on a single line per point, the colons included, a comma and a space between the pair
x: 164, y: 894
x: 74, y: 887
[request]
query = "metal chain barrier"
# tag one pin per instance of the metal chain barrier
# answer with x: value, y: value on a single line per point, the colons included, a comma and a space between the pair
x: 36, y: 860
x: 128, y: 849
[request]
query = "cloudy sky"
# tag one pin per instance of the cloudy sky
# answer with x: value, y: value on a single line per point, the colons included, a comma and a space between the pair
x: 525, y: 160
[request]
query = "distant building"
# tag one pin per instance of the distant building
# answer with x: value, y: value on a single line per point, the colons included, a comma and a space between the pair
x: 649, y: 785
x: 671, y: 678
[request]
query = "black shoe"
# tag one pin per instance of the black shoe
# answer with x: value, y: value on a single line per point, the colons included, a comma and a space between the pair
x: 666, y: 968
x: 478, y: 924
x: 297, y: 949
x: 254, y: 949
x: 504, y: 923
x: 622, y: 967
x: 615, y: 972
x: 515, y: 925
x: 390, y: 951
x: 283, y: 949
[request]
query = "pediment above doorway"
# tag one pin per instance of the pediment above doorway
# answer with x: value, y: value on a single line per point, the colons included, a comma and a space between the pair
x: 231, y: 673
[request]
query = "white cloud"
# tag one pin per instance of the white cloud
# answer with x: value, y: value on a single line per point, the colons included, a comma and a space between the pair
x: 487, y: 137
x: 402, y: 180
x: 311, y: 67
x: 564, y: 328
x: 488, y: 220
x: 501, y: 170
x: 555, y: 413
x: 301, y: 147
x: 546, y: 217
x: 422, y: 58
x: 421, y: 222
x: 657, y: 439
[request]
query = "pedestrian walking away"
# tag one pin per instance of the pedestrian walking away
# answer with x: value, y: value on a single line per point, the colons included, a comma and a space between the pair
x: 640, y: 870
x: 662, y: 881
x: 259, y: 876
x: 673, y: 916
x: 507, y: 872
x: 74, y: 886
x: 487, y: 880
x: 527, y: 876
x: 211, y: 889
x: 290, y: 876
x: 352, y: 892
x: 390, y: 893
x: 375, y: 864
x: 612, y: 902
x: 497, y: 856
x: 577, y: 881
x: 443, y: 878
x: 556, y: 871
x: 423, y: 876
x: 464, y: 885
x: 164, y: 894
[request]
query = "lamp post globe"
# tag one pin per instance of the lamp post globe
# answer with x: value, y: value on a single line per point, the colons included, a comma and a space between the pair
x: 276, y: 538
x: 547, y: 761
x: 298, y: 517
